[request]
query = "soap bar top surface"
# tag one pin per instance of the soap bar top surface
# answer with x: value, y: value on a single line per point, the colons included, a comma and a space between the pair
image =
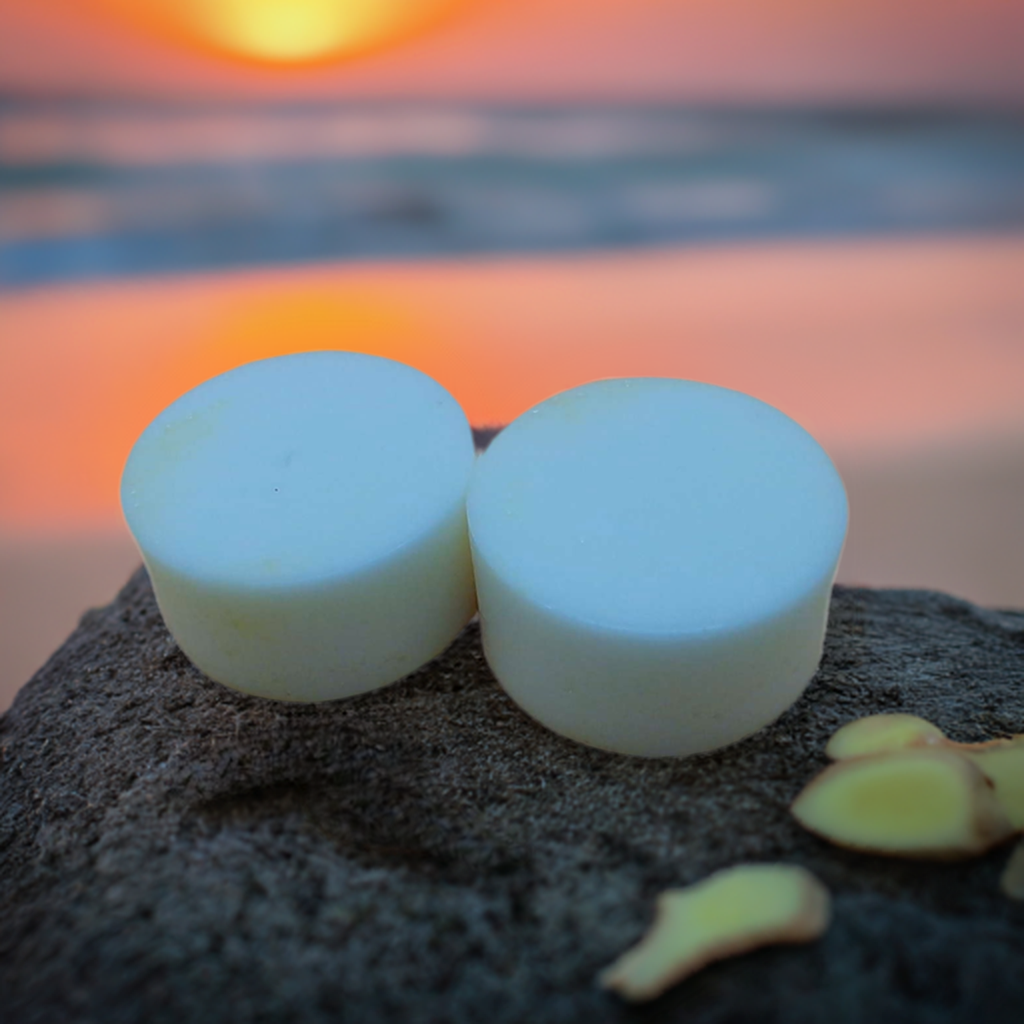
x: 298, y: 467
x: 667, y: 506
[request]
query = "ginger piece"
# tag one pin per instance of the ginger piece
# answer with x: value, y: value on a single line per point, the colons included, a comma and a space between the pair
x: 731, y: 912
x: 1012, y: 882
x: 1001, y: 760
x: 878, y: 734
x: 926, y: 802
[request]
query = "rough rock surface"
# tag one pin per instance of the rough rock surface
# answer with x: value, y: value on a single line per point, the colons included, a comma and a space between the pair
x: 173, y: 851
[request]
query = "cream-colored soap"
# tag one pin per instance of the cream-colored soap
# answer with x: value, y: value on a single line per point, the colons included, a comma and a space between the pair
x: 654, y: 561
x: 303, y: 523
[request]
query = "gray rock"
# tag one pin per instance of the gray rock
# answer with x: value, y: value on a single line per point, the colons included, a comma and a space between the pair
x: 173, y: 851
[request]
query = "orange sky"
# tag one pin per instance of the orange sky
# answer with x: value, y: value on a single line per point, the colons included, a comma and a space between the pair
x: 871, y: 345
x: 742, y: 50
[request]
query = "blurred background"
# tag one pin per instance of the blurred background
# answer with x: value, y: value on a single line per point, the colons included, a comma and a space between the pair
x: 821, y: 204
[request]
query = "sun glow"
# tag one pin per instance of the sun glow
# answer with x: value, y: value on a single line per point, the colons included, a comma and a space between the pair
x: 285, y: 31
x: 78, y: 386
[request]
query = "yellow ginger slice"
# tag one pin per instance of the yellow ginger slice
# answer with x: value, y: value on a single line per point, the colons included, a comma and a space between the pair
x: 878, y: 734
x: 731, y: 912
x: 1012, y: 882
x: 929, y: 802
x: 1001, y: 760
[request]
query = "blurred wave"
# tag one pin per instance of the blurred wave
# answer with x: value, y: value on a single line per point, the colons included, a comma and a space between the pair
x: 94, y: 188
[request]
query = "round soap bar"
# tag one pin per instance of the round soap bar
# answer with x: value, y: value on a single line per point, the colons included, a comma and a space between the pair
x: 303, y: 522
x: 654, y: 561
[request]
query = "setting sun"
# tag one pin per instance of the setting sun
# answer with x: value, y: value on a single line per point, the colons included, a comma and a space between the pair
x: 285, y: 31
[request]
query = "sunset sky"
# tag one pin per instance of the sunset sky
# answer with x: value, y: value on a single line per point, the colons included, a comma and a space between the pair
x: 712, y: 50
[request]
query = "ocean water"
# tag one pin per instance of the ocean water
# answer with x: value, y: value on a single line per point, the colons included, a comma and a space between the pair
x: 95, y: 189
